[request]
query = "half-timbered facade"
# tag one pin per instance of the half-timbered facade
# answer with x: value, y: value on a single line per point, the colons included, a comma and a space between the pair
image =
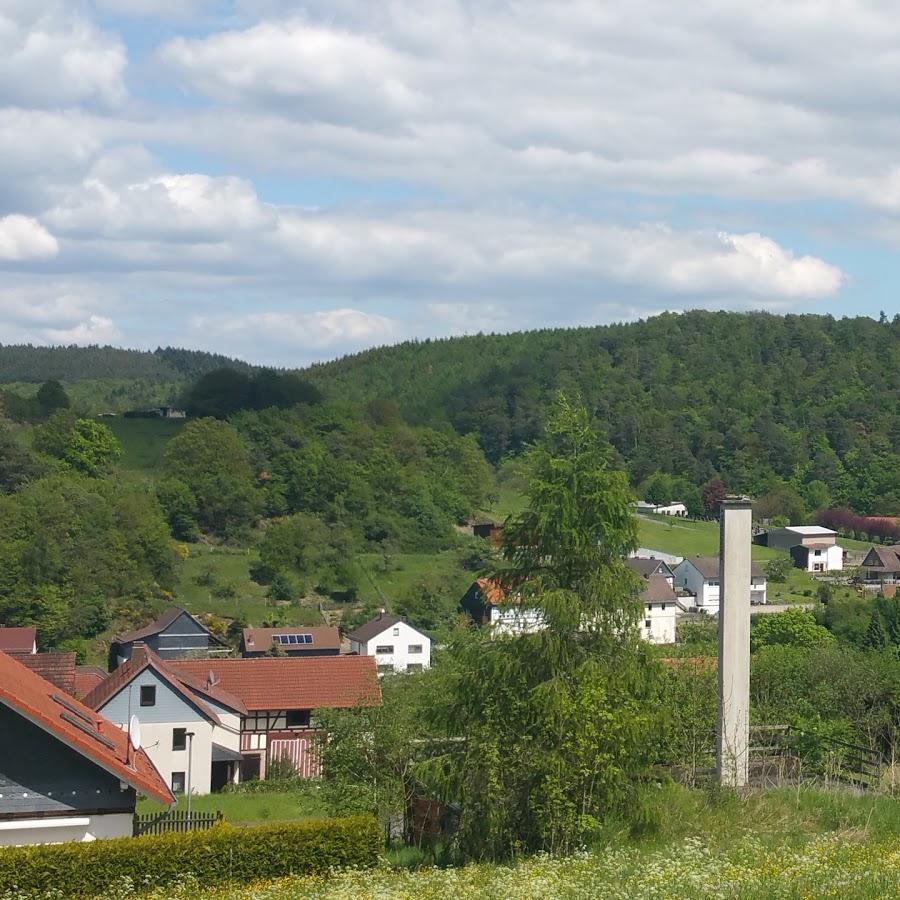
x: 282, y: 695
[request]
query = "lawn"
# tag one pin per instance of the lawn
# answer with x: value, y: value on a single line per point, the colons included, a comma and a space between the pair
x: 143, y: 441
x: 247, y: 808
x: 686, y: 537
x: 217, y: 580
x: 405, y: 570
x: 785, y: 843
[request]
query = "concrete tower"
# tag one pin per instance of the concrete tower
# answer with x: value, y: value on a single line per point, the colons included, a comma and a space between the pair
x: 733, y: 727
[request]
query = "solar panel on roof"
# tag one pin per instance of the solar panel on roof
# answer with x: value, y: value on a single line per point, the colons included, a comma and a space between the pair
x: 293, y: 638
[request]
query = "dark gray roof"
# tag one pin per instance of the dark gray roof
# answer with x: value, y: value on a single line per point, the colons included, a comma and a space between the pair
x: 375, y: 627
x: 646, y: 566
x: 708, y: 566
x: 161, y: 624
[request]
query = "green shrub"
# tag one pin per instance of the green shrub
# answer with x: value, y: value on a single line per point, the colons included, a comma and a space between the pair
x: 221, y: 854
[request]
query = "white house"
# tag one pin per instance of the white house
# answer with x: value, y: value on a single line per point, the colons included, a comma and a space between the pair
x: 812, y: 547
x: 488, y: 604
x: 180, y: 717
x: 66, y: 774
x: 395, y: 644
x: 661, y: 610
x: 664, y: 509
x: 699, y: 577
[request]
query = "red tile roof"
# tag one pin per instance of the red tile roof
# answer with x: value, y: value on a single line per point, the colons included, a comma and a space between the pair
x: 20, y: 640
x: 195, y: 690
x: 57, y: 668
x: 292, y: 682
x: 492, y: 591
x: 93, y: 737
x: 324, y: 637
x: 87, y: 678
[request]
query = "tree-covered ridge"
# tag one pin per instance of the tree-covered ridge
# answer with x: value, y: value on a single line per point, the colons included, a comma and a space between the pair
x: 769, y: 403
x: 28, y: 363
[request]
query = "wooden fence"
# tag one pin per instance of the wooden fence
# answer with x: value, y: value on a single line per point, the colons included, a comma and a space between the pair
x: 176, y: 820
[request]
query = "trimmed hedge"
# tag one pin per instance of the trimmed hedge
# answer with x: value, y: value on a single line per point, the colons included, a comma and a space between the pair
x: 222, y: 853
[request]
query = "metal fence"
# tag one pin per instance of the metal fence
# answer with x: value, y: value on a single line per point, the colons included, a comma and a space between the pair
x: 177, y: 820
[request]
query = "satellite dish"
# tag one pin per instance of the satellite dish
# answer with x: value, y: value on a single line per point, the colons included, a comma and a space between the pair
x: 134, y: 732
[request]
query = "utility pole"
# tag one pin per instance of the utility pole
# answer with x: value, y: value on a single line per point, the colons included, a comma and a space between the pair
x: 190, y: 738
x: 733, y: 726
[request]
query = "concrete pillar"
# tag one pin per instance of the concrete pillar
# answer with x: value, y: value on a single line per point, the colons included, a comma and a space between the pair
x: 733, y: 727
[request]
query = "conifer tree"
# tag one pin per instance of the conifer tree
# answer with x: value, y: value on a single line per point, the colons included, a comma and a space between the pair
x: 548, y: 728
x: 875, y: 636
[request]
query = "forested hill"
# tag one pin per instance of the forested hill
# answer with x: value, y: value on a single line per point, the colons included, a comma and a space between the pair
x: 760, y: 400
x: 26, y: 363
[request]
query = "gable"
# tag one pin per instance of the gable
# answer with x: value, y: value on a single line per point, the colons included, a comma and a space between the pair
x: 170, y: 706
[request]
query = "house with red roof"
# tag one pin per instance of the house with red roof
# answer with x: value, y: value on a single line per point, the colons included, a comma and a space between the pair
x: 18, y: 640
x: 66, y: 773
x: 291, y: 640
x: 488, y: 603
x: 282, y: 696
x: 190, y: 726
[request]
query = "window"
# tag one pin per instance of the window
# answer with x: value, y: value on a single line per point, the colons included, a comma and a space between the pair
x: 646, y: 623
x: 385, y: 648
x: 383, y: 670
x: 414, y: 667
x: 148, y: 695
x: 414, y: 648
x: 179, y: 738
x: 178, y: 782
x: 396, y: 632
x: 298, y: 718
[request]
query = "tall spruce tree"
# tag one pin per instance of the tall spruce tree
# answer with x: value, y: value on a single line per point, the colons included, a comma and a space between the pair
x: 549, y: 728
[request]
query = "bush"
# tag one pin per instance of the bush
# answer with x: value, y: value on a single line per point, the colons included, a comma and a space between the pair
x: 221, y: 854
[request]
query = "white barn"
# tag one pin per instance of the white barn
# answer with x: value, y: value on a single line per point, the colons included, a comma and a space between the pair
x: 812, y: 547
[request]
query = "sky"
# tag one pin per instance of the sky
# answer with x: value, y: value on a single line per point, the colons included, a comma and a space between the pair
x: 289, y: 182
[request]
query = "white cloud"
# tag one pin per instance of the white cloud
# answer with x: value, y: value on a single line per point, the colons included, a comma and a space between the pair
x: 56, y: 311
x: 52, y: 56
x: 338, y: 330
x: 22, y: 237
x: 646, y: 95
x: 164, y: 206
x: 327, y: 74
x: 93, y: 330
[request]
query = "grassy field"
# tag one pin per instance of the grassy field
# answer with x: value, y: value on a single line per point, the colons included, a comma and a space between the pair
x: 246, y: 808
x: 143, y: 441
x: 405, y: 570
x: 799, y: 843
x: 217, y: 580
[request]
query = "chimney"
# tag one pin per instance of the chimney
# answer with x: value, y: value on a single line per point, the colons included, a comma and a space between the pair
x: 211, y: 679
x: 733, y: 726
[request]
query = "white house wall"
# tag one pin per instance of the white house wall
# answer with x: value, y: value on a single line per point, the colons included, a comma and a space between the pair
x: 400, y: 637
x: 170, y: 711
x: 659, y: 622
